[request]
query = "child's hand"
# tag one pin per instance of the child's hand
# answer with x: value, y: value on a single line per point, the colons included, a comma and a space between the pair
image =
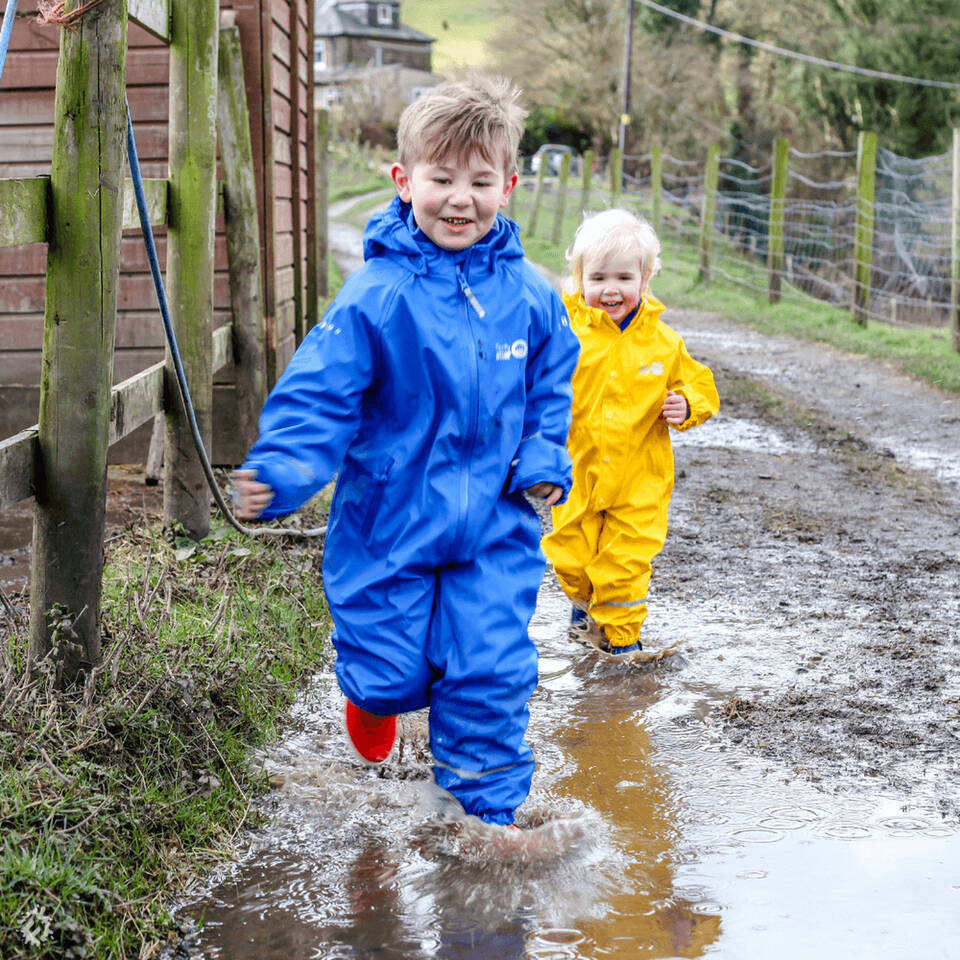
x: 550, y: 492
x: 675, y: 408
x: 250, y: 497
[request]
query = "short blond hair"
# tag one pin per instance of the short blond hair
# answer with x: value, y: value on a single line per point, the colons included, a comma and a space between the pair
x: 481, y: 114
x: 613, y: 232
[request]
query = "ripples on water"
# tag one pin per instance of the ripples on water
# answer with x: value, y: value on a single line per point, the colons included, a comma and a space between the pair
x: 649, y: 834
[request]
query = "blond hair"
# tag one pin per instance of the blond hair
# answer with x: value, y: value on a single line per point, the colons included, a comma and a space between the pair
x: 613, y: 232
x: 457, y: 119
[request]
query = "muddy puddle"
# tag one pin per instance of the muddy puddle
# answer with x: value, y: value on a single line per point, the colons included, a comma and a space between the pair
x: 786, y: 785
x: 651, y: 834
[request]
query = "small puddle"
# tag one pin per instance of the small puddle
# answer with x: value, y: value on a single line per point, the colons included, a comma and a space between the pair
x: 652, y: 835
x: 732, y: 433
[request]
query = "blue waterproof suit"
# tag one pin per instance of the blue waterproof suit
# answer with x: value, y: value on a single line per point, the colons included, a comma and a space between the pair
x: 438, y: 385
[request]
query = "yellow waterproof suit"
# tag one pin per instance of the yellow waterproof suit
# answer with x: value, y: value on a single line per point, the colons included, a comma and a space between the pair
x: 615, y: 520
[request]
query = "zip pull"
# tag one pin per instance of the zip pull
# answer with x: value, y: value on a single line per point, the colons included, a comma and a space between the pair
x: 469, y: 294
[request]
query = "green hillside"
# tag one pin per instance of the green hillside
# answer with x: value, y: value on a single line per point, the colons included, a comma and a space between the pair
x: 459, y: 26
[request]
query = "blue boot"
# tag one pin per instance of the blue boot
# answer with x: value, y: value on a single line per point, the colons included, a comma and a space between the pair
x: 577, y: 616
x: 607, y: 647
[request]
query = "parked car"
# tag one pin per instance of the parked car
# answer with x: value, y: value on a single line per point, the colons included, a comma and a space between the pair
x: 553, y: 152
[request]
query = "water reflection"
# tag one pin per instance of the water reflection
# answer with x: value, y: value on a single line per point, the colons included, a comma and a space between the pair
x: 618, y: 776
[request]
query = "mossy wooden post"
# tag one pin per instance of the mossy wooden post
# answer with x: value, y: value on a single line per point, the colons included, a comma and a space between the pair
x: 708, y: 210
x: 656, y: 187
x: 243, y: 237
x: 586, y: 181
x: 955, y: 247
x: 616, y: 176
x: 86, y: 184
x: 778, y: 193
x: 863, y: 229
x: 561, y: 207
x: 193, y: 203
x: 537, y: 194
x: 322, y: 133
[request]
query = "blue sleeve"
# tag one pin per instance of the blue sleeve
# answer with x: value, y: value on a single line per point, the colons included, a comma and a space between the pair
x: 313, y: 412
x: 542, y: 455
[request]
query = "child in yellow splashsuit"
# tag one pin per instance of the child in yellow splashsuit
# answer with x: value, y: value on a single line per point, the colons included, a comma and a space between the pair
x: 633, y: 380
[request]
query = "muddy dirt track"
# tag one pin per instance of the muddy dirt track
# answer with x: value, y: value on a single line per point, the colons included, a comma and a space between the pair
x: 819, y: 514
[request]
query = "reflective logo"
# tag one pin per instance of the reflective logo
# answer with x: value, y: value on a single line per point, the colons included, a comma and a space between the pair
x: 655, y: 368
x: 516, y: 350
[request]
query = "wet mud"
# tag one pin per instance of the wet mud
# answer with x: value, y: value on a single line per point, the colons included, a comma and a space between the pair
x: 777, y: 776
x: 785, y: 783
x: 842, y: 529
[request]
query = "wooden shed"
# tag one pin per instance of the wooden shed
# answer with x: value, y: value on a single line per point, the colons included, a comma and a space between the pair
x: 277, y: 44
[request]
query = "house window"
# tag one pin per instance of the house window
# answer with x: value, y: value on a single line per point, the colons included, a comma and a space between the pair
x: 319, y: 55
x: 384, y: 15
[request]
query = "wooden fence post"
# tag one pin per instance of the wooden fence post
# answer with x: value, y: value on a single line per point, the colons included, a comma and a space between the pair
x: 243, y: 238
x: 656, y: 187
x: 616, y: 176
x: 322, y: 133
x: 537, y: 193
x: 561, y: 206
x: 83, y: 256
x: 190, y: 250
x: 955, y: 247
x: 586, y: 181
x: 863, y: 229
x: 708, y: 210
x: 778, y: 193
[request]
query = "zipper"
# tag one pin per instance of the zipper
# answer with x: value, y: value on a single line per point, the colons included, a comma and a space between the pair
x: 471, y: 301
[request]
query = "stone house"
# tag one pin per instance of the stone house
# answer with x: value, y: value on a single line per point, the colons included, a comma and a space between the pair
x: 368, y: 64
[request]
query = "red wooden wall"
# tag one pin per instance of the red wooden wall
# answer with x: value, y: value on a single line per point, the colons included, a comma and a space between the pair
x: 276, y: 38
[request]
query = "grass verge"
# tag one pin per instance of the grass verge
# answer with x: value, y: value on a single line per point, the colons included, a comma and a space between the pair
x: 116, y: 795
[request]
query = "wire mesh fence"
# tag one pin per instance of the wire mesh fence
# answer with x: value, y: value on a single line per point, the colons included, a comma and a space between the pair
x: 908, y: 256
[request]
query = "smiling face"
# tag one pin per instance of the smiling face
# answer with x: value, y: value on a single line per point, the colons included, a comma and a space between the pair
x: 614, y: 283
x: 455, y: 203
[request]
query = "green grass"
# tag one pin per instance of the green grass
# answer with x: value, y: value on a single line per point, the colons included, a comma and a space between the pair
x: 114, y: 796
x: 353, y: 170
x: 460, y: 27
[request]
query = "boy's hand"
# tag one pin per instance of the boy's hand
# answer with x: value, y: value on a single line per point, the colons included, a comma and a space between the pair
x: 675, y: 408
x: 250, y: 497
x: 550, y: 492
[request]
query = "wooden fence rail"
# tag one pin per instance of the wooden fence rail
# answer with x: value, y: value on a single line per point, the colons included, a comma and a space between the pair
x: 79, y: 211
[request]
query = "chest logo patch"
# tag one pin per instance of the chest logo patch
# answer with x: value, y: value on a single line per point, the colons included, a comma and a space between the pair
x: 516, y: 350
x: 655, y: 368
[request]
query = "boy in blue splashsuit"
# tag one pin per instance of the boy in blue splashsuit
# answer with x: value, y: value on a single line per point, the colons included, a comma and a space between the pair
x: 437, y: 386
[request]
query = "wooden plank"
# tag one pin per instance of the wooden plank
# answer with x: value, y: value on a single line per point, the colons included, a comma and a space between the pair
x: 133, y: 402
x: 35, y: 144
x: 863, y: 225
x: 83, y: 262
x: 243, y: 237
x: 136, y: 400
x: 155, y: 192
x: 23, y: 210
x: 18, y: 457
x: 708, y: 210
x: 152, y: 15
x: 955, y: 245
x: 775, y: 239
x: 190, y: 250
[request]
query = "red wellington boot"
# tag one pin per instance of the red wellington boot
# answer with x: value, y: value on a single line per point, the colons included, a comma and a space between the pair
x: 371, y: 736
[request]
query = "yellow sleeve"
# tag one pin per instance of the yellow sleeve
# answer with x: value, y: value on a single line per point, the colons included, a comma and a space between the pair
x: 694, y: 381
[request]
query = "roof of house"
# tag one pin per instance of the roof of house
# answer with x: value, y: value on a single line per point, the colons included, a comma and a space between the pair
x: 333, y: 22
